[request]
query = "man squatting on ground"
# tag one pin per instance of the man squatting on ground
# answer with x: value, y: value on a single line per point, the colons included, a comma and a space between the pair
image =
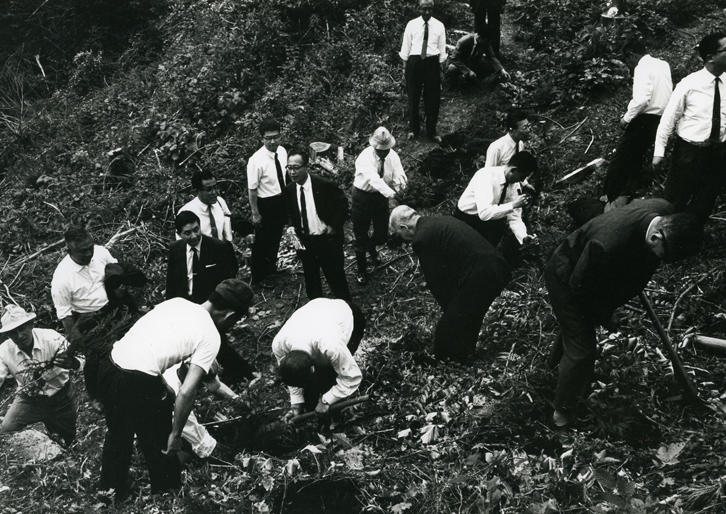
x: 464, y: 272
x: 314, y: 349
x: 598, y: 268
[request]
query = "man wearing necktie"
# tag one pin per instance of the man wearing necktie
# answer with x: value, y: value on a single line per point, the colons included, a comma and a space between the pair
x: 503, y: 149
x: 214, y: 215
x: 317, y: 209
x: 266, y: 186
x: 423, y: 50
x: 492, y: 203
x: 696, y: 111
x: 379, y: 176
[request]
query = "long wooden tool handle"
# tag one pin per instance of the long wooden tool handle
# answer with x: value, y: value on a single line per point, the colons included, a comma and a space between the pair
x: 678, y: 369
x: 335, y: 407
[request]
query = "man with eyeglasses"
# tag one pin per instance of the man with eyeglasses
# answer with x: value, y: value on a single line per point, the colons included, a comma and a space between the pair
x: 317, y: 209
x: 598, y: 268
x: 696, y: 111
x: 214, y: 215
x: 266, y: 181
x: 510, y: 144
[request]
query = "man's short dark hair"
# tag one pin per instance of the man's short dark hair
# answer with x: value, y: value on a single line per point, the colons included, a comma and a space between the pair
x: 708, y: 46
x: 200, y: 176
x: 269, y: 125
x: 514, y: 117
x: 299, y: 151
x: 295, y: 368
x: 232, y: 294
x: 184, y: 218
x: 76, y: 234
x: 682, y: 234
x: 524, y: 162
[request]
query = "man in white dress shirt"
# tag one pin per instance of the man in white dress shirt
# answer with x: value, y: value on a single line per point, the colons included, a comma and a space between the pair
x: 314, y: 349
x: 652, y: 87
x: 36, y: 358
x: 79, y: 297
x: 136, y: 400
x: 511, y: 143
x: 697, y: 113
x: 423, y: 51
x: 214, y: 215
x: 492, y: 203
x: 266, y: 180
x: 379, y: 176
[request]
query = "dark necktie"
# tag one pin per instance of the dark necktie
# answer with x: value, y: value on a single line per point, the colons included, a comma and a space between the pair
x: 278, y: 168
x: 213, y: 223
x: 714, y: 137
x: 304, y: 213
x: 195, y: 267
x: 516, y: 147
x: 380, y: 167
x: 504, y: 193
x: 425, y: 40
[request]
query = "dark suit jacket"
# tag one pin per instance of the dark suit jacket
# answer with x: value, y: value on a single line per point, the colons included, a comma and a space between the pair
x: 216, y: 263
x: 330, y: 202
x: 606, y: 262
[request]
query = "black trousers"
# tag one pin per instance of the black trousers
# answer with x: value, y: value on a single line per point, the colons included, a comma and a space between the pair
x: 458, y: 328
x: 423, y: 75
x: 488, y: 20
x: 497, y: 232
x: 696, y: 177
x: 324, y: 252
x: 625, y: 173
x: 267, y: 236
x: 136, y: 404
x: 577, y: 344
x: 369, y: 208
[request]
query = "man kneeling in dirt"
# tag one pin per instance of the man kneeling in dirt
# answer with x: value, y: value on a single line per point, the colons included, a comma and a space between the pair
x: 36, y: 358
x: 473, y: 59
x: 314, y: 349
x: 598, y: 268
x: 464, y: 272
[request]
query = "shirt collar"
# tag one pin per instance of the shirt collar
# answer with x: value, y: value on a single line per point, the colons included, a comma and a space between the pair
x: 21, y: 353
x: 78, y: 267
x: 198, y: 247
x: 511, y: 139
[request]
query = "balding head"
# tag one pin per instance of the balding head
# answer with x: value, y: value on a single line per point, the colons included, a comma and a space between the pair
x: 403, y: 222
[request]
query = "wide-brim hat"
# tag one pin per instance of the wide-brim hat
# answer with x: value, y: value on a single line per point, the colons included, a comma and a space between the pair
x: 382, y: 139
x: 13, y: 317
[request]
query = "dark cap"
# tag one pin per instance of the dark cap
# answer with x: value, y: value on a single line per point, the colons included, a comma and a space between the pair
x: 117, y: 274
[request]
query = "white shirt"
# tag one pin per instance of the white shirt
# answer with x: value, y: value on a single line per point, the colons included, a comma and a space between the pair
x: 77, y: 288
x: 321, y: 328
x: 190, y: 261
x: 501, y: 150
x: 690, y: 109
x: 14, y: 362
x: 652, y: 87
x: 222, y: 217
x: 315, y: 224
x: 195, y: 434
x: 481, y: 197
x: 366, y: 173
x: 413, y: 39
x: 173, y: 331
x: 262, y: 173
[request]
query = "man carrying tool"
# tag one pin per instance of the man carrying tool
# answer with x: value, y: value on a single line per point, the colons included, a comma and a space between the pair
x: 598, y: 268
x: 314, y: 349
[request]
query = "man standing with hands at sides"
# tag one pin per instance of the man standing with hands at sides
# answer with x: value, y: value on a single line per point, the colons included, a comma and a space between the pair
x: 697, y: 113
x: 314, y: 349
x: 464, y: 272
x: 135, y: 397
x: 211, y: 209
x: 503, y: 149
x: 79, y: 297
x: 652, y: 87
x: 378, y: 177
x: 423, y: 51
x: 266, y: 180
x: 317, y: 209
x: 598, y: 268
x: 493, y: 200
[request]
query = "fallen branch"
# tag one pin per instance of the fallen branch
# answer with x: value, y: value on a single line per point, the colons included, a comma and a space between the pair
x: 680, y: 297
x: 333, y: 408
x: 577, y: 127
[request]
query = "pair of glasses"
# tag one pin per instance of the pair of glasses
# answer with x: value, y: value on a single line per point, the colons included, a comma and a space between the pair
x: 294, y: 166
